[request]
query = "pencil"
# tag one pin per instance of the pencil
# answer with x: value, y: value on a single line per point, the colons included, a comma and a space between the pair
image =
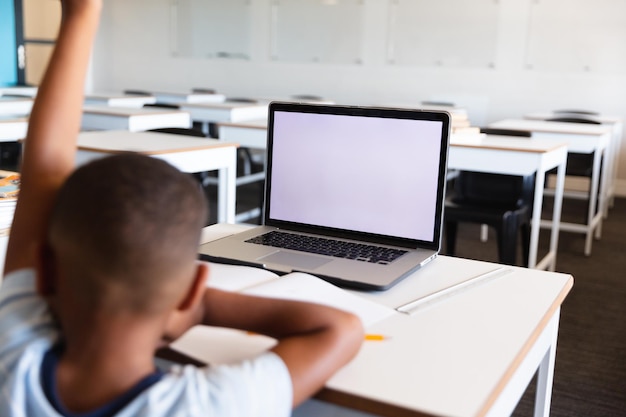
x: 375, y: 337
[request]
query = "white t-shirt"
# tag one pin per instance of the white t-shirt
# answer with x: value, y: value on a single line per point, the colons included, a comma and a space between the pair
x: 259, y: 387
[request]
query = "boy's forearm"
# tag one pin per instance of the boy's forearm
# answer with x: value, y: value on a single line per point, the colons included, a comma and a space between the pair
x: 55, y: 118
x: 50, y: 146
x: 314, y: 341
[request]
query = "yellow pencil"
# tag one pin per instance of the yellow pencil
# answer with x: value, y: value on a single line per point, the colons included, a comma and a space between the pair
x: 375, y: 337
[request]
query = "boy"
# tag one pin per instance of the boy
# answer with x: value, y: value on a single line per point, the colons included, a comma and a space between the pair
x: 111, y: 249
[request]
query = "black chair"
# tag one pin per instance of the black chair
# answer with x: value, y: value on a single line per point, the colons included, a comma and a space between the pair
x: 241, y: 100
x: 307, y: 97
x: 578, y: 164
x: 503, y: 202
x: 204, y: 91
x: 505, y: 132
x: 576, y: 112
x: 137, y: 93
x: 180, y: 131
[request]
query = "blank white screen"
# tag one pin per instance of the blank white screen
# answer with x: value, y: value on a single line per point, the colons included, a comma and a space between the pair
x: 368, y: 174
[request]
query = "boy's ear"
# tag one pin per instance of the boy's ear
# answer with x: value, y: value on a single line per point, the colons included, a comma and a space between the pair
x: 196, y: 288
x: 45, y: 267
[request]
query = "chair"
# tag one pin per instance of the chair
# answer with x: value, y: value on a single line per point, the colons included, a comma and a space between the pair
x: 307, y: 97
x: 242, y: 100
x: 137, y: 93
x: 204, y: 91
x: 578, y: 164
x: 180, y: 131
x: 503, y: 202
x: 577, y: 112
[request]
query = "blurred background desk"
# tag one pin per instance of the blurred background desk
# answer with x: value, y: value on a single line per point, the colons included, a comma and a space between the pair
x: 132, y: 119
x: 583, y: 139
x: 185, y: 153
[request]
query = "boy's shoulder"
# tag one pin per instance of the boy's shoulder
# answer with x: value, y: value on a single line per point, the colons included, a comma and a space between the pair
x: 28, y: 331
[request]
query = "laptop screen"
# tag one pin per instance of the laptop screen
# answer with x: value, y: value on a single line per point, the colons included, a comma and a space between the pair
x: 370, y: 171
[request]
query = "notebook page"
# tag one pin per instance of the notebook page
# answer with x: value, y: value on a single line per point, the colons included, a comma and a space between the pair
x: 299, y: 286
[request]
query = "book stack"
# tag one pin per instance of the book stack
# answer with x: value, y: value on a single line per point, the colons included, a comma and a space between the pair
x: 9, y: 189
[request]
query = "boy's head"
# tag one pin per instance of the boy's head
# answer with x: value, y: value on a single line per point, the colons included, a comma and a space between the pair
x: 124, y: 234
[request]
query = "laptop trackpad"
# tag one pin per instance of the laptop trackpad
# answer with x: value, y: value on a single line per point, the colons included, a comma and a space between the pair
x: 295, y: 260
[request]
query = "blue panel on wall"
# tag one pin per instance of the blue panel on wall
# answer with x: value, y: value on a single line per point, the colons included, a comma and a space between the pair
x: 8, y: 59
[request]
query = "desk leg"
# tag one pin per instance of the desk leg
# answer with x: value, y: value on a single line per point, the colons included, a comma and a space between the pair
x: 227, y: 189
x: 545, y: 374
x: 535, y: 222
x: 605, y: 178
x: 556, y: 212
x: 593, y: 202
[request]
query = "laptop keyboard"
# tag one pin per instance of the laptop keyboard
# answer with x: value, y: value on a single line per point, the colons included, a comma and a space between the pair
x: 331, y: 247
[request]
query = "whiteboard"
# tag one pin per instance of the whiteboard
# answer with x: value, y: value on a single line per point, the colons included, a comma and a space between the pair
x: 328, y: 31
x: 211, y: 28
x: 577, y: 36
x: 448, y: 33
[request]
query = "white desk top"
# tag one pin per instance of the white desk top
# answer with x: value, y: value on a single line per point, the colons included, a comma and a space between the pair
x: 127, y: 111
x: 247, y: 124
x: 13, y: 128
x: 177, y: 97
x: 19, y: 90
x: 551, y: 127
x: 17, y: 106
x: 118, y: 100
x: 602, y: 118
x: 503, y: 143
x: 148, y: 143
x: 452, y: 357
x: 227, y: 105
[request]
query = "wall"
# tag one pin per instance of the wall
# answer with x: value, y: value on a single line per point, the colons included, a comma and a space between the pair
x: 134, y: 44
x: 8, y: 58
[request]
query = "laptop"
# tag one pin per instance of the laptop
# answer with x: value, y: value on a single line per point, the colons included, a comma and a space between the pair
x: 353, y: 195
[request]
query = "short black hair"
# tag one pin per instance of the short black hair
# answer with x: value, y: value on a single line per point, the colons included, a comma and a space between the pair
x: 128, y: 221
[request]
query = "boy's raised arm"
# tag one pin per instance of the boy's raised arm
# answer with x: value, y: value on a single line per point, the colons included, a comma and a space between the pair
x: 50, y: 146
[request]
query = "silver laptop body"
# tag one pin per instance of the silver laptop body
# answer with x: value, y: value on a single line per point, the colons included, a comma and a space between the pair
x: 374, y: 176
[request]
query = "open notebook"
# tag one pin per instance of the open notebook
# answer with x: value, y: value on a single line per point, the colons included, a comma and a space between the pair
x: 354, y: 195
x: 231, y: 346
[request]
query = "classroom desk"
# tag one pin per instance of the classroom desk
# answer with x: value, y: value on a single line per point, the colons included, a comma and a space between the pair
x: 132, y: 119
x: 617, y: 126
x: 224, y: 112
x: 18, y: 91
x: 185, y: 153
x: 469, y: 353
x: 514, y: 156
x: 13, y: 129
x: 15, y: 106
x: 118, y: 100
x: 580, y: 138
x: 178, y: 98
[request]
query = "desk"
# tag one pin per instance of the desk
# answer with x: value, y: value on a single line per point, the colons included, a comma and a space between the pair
x: 580, y: 138
x: 118, y: 100
x: 617, y: 126
x: 132, y: 119
x: 178, y: 98
x: 15, y: 106
x: 470, y: 354
x: 12, y: 129
x: 185, y: 153
x: 507, y: 155
x: 18, y: 91
x: 224, y: 112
